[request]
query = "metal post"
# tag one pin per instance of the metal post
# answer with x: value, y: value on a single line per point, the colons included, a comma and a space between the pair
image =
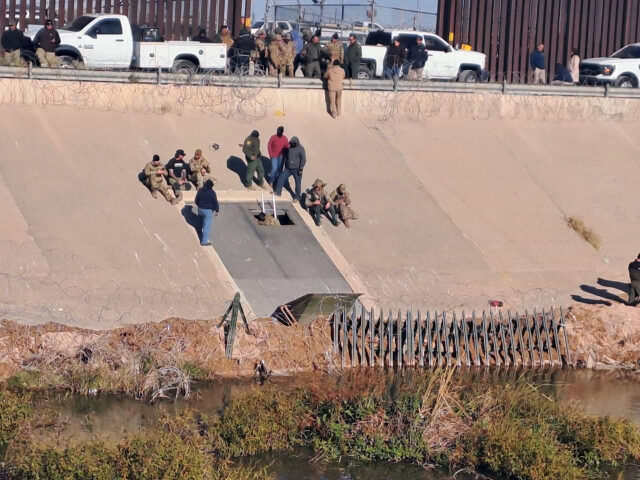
x: 420, y: 341
x: 465, y: 332
x: 556, y: 336
x: 399, y: 340
x: 456, y: 337
x: 529, y: 339
x: 429, y: 339
x: 540, y: 345
x: 29, y: 70
x: 335, y: 331
x: 545, y: 324
x: 438, y: 344
x: 566, y: 338
x: 495, y: 338
x: 381, y: 338
x: 503, y: 340
x: 371, y: 315
x: 345, y: 338
x: 474, y: 330
x: 411, y: 346
x: 354, y: 335
x: 446, y: 331
x: 512, y: 339
x: 485, y: 338
x: 390, y: 337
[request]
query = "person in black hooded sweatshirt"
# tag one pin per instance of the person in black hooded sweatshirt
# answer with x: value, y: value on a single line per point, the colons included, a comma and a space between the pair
x: 207, y: 203
x: 634, y: 285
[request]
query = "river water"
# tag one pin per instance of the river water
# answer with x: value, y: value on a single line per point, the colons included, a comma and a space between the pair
x: 612, y: 393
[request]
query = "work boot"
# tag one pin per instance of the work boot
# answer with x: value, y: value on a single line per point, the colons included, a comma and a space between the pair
x: 264, y: 186
x: 154, y: 193
x: 346, y: 223
x: 251, y: 187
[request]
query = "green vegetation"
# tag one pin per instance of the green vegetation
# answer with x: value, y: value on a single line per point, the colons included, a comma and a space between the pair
x: 511, y: 430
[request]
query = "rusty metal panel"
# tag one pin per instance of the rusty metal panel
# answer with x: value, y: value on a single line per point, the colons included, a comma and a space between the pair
x: 61, y: 12
x: 213, y: 15
x: 466, y: 22
x: 177, y: 18
x: 553, y: 12
x: 502, y: 44
x: 486, y: 44
x: 442, y: 8
x: 563, y: 32
x: 168, y: 26
x: 221, y: 18
x: 89, y: 8
x: 32, y: 13
x: 482, y: 10
x: 524, y: 47
x: 23, y: 13
x: 604, y: 38
x: 473, y: 25
x: 452, y: 20
x: 3, y: 19
x: 596, y: 33
x: 513, y: 60
x: 634, y: 22
x: 11, y: 12
x: 495, y: 28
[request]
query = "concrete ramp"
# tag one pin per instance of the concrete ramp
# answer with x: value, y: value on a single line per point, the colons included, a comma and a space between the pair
x: 273, y: 265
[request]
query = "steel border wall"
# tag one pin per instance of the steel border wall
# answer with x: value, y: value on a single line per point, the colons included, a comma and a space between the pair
x: 507, y: 30
x: 175, y: 19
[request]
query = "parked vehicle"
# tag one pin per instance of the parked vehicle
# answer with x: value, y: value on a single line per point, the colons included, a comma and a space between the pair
x: 622, y: 69
x: 444, y: 63
x: 285, y: 26
x: 110, y: 41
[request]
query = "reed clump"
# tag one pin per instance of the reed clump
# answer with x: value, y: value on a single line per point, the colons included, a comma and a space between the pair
x: 590, y: 236
x: 507, y: 429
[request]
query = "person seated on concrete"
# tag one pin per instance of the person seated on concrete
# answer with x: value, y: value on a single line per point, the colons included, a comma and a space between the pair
x: 155, y: 180
x: 13, y: 40
x: 341, y: 201
x: 295, y: 159
x: 318, y: 203
x: 46, y: 41
x: 178, y: 171
x: 208, y: 206
x: 199, y: 169
x: 634, y: 285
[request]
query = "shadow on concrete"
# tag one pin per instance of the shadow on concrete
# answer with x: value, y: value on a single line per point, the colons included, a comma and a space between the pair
x: 602, y: 293
x: 623, y: 287
x: 237, y: 165
x: 589, y: 301
x: 192, y: 219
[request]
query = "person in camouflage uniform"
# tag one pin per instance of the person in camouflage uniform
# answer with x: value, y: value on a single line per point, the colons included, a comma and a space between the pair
x: 155, y: 173
x: 277, y: 60
x: 289, y: 55
x: 335, y: 49
x: 318, y: 203
x: 341, y: 200
x: 200, y: 169
x: 260, y: 57
x: 251, y: 150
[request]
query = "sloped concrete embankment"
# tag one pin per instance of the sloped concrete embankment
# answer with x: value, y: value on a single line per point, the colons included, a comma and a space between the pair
x: 462, y: 197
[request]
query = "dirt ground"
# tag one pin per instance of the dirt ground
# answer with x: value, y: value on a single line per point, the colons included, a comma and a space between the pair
x: 172, y: 342
x: 599, y: 337
x: 604, y: 336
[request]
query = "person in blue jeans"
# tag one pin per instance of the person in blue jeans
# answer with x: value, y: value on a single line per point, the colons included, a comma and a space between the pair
x: 207, y: 203
x: 277, y: 146
x: 295, y: 159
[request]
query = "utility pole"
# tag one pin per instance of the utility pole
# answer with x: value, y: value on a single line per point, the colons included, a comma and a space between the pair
x: 266, y: 15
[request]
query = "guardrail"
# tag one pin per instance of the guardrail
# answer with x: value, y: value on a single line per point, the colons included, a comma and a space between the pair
x: 215, y: 79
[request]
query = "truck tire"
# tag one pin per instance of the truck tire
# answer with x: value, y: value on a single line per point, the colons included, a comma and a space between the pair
x: 468, y: 76
x: 365, y: 73
x: 67, y: 61
x: 625, y: 81
x: 184, y: 66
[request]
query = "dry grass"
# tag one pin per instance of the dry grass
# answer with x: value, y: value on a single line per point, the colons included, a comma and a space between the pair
x: 585, y: 232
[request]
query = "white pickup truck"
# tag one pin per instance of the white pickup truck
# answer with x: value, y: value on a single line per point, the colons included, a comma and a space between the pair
x: 444, y: 63
x: 110, y: 41
x: 622, y: 69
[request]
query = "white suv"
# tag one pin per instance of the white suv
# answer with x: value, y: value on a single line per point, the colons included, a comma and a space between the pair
x: 622, y: 69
